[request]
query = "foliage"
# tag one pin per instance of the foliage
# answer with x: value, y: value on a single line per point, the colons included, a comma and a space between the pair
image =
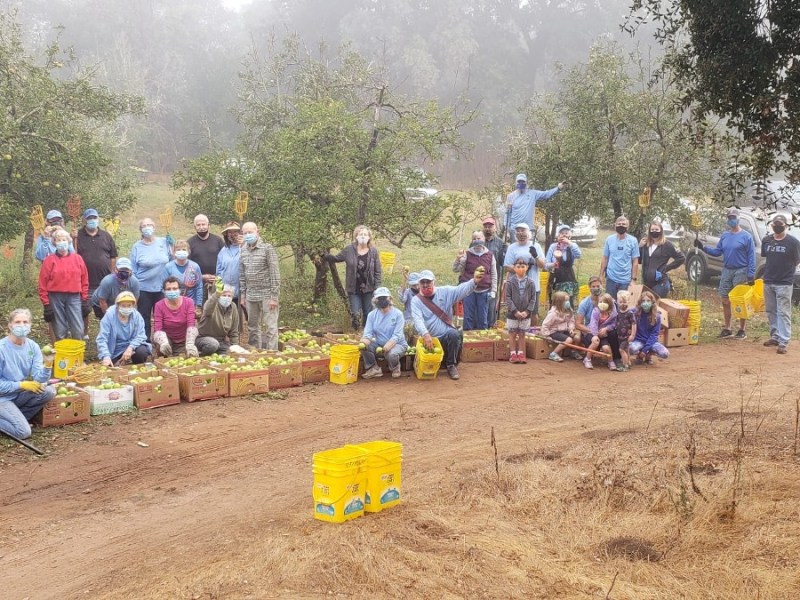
x: 736, y: 59
x: 56, y: 134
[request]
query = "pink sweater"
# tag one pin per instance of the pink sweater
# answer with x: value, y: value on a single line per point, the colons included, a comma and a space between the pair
x: 174, y: 322
x: 556, y: 321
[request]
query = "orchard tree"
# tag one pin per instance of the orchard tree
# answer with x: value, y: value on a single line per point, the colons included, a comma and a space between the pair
x: 58, y: 136
x: 328, y: 143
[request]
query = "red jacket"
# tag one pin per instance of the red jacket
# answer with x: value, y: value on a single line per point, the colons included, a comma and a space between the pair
x: 65, y: 274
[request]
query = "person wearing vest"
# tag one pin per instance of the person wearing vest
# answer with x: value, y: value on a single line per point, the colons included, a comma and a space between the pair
x: 560, y: 261
x: 476, y: 305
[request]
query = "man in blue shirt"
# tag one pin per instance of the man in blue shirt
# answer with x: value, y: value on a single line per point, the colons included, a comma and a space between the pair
x: 620, y: 259
x: 738, y: 252
x: 521, y: 203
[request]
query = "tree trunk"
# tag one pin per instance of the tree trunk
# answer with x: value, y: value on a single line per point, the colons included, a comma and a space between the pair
x: 616, y: 201
x: 320, y: 278
x: 27, y: 251
x: 299, y: 262
x: 337, y: 283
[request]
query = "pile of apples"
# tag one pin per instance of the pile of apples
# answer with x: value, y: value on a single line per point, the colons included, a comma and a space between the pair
x: 315, y: 346
x: 135, y: 369
x: 147, y: 379
x: 242, y: 368
x: 106, y: 385
x: 180, y: 361
x: 64, y: 391
x: 293, y: 334
x: 483, y: 335
x: 202, y: 371
x: 268, y: 361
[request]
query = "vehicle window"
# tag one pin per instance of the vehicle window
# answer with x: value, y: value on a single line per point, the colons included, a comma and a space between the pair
x: 746, y: 226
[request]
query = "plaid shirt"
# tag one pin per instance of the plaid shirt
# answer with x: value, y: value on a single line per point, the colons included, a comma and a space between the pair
x: 259, y: 272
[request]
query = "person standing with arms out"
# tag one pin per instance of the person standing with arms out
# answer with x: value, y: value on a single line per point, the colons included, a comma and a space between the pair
x: 620, y: 259
x: 658, y: 256
x: 738, y: 252
x: 521, y: 203
x: 98, y: 250
x: 498, y: 249
x: 259, y: 287
x: 148, y: 257
x: 782, y: 254
x: 204, y: 247
x: 23, y: 378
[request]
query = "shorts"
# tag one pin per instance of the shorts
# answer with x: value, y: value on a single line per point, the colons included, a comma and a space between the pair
x: 730, y: 278
x: 518, y: 324
x: 586, y: 339
x: 623, y: 344
x: 559, y: 336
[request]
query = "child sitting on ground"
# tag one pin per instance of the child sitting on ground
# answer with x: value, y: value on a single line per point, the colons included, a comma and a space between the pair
x: 626, y: 327
x: 648, y: 327
x: 559, y: 324
x: 603, y: 322
x: 520, y: 300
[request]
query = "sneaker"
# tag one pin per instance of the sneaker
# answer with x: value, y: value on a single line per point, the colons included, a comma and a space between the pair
x: 396, y: 372
x: 514, y: 358
x: 612, y: 366
x: 587, y: 362
x: 781, y: 349
x: 623, y: 368
x: 740, y: 335
x: 555, y: 357
x: 771, y: 342
x: 522, y: 359
x: 452, y: 370
x: 725, y: 333
x: 576, y: 355
x: 372, y: 372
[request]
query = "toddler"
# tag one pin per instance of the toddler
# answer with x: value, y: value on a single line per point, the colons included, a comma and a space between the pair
x: 626, y: 327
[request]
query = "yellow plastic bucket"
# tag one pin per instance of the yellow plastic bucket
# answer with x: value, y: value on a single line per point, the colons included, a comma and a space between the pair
x: 583, y: 292
x: 384, y: 463
x: 340, y: 478
x: 343, y: 367
x: 741, y: 298
x: 69, y: 354
x: 426, y: 364
x: 758, y: 296
x: 694, y: 335
x: 387, y: 262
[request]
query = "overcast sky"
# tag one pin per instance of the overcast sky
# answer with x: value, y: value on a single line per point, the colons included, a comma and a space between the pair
x: 236, y: 4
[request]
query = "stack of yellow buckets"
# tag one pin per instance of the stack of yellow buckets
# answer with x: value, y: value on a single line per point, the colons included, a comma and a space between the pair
x: 355, y: 479
x: 694, y: 319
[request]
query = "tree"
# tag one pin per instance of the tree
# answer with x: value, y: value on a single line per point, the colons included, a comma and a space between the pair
x: 57, y: 135
x: 737, y: 59
x: 327, y: 144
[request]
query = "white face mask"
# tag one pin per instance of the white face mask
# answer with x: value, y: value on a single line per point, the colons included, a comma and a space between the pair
x: 363, y: 239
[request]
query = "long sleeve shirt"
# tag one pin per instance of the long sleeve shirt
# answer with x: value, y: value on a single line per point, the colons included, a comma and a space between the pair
x: 737, y: 251
x: 110, y: 287
x: 115, y: 337
x: 228, y: 267
x: 219, y: 323
x: 259, y: 272
x: 406, y: 294
x: 558, y: 321
x: 174, y: 322
x: 373, y: 274
x: 386, y: 326
x: 63, y: 274
x: 645, y: 333
x: 523, y: 206
x: 45, y: 247
x: 444, y: 297
x: 190, y: 278
x: 551, y: 258
x: 148, y: 262
x: 597, y: 322
x: 19, y: 363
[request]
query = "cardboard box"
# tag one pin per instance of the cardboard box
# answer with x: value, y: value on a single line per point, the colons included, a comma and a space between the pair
x: 477, y: 351
x: 676, y: 336
x: 201, y: 386
x: 65, y: 410
x: 342, y: 338
x: 315, y: 370
x: 104, y: 402
x: 245, y: 383
x: 128, y: 372
x: 536, y: 347
x: 635, y: 290
x: 664, y: 317
x: 502, y: 350
x: 678, y: 313
x: 285, y: 376
x: 153, y: 394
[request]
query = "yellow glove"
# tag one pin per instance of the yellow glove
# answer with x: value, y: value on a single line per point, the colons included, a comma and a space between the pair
x: 32, y: 386
x: 218, y: 284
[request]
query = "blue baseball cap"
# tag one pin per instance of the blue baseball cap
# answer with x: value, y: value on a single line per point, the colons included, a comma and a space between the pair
x: 90, y: 212
x: 382, y: 292
x: 124, y: 263
x: 413, y: 279
x: 54, y: 214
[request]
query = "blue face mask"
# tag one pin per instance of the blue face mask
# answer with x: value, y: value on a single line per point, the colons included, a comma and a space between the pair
x: 21, y: 331
x: 92, y: 224
x: 148, y: 231
x: 646, y: 306
x: 62, y: 246
x: 521, y: 185
x: 181, y: 254
x: 126, y: 311
x: 225, y: 301
x: 250, y: 238
x: 733, y: 223
x: 567, y: 305
x: 172, y: 294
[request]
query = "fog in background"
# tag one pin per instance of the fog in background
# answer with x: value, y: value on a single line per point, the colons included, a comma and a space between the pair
x: 184, y: 56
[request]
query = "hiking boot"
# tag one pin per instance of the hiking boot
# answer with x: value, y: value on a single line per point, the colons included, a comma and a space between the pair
x: 372, y: 372
x: 452, y: 370
x: 772, y: 342
x: 725, y: 333
x: 396, y: 372
x: 781, y: 349
x: 740, y: 335
x: 651, y: 360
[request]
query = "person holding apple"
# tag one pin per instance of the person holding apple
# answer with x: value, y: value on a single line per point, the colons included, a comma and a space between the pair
x: 383, y: 335
x: 122, y: 338
x: 23, y: 378
x: 219, y: 323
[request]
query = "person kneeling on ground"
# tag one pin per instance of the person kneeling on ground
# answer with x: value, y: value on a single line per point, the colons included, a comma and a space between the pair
x: 23, y: 389
x: 174, y: 322
x: 383, y: 333
x: 432, y: 311
x: 559, y: 324
x: 122, y: 338
x: 521, y: 302
x: 219, y: 323
x: 648, y: 327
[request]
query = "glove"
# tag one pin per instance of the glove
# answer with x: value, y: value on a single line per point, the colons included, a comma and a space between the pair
x: 218, y: 284
x: 170, y: 239
x: 32, y: 386
x: 86, y: 308
x: 49, y: 315
x: 533, y: 251
x: 659, y: 276
x: 751, y: 282
x: 192, y: 351
x: 698, y: 244
x: 238, y: 349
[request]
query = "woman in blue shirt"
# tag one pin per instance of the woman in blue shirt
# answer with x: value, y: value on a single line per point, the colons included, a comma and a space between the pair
x: 148, y: 257
x: 384, y: 329
x: 121, y: 336
x: 188, y: 274
x: 228, y: 258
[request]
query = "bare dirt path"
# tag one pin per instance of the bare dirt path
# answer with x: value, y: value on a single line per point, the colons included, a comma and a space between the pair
x: 101, y: 516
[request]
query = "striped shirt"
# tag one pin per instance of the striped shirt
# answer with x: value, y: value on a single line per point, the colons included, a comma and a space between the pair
x: 259, y: 272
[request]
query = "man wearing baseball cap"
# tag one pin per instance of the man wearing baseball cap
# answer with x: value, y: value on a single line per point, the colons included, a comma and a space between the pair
x: 738, y: 252
x: 782, y: 254
x: 97, y: 249
x: 521, y: 203
x: 497, y: 247
x: 44, y: 243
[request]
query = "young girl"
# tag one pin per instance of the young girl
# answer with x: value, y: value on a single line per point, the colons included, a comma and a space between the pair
x: 626, y: 327
x: 603, y: 322
x: 520, y: 301
x: 648, y: 327
x: 559, y: 324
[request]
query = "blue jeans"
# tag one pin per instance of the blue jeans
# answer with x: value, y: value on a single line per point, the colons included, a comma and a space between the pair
x: 392, y: 356
x: 16, y: 412
x: 662, y: 288
x: 360, y: 305
x: 67, y: 316
x: 612, y: 287
x: 778, y: 304
x: 658, y: 349
x: 476, y: 309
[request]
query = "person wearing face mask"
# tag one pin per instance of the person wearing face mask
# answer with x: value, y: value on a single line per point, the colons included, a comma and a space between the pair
x: 204, y: 249
x: 407, y: 291
x: 645, y: 343
x: 121, y: 338
x: 603, y: 325
x: 149, y: 256
x: 498, y: 248
x: 218, y: 330
x: 23, y: 377
x: 620, y: 259
x: 559, y: 324
x: 188, y: 273
x: 533, y: 254
x: 782, y: 254
x: 98, y: 250
x: 363, y: 274
x: 259, y: 287
x: 44, y: 243
x: 63, y: 288
x: 228, y: 258
x: 174, y: 322
x: 738, y: 252
x: 113, y: 285
x: 384, y: 330
x: 658, y: 256
x: 476, y: 305
x: 583, y: 315
x: 560, y: 261
x: 521, y: 203
x: 626, y: 328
